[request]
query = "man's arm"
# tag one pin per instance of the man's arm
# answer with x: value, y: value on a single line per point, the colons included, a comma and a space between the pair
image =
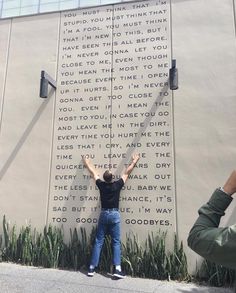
x: 91, y: 168
x: 205, y: 238
x: 130, y: 168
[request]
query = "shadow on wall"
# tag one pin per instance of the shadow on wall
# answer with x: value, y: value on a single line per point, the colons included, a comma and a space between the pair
x: 25, y: 135
x: 79, y: 173
x: 146, y: 122
x: 81, y: 208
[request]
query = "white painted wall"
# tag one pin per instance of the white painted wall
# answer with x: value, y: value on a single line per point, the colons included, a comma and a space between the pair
x: 204, y: 106
x: 26, y: 128
x: 4, y: 38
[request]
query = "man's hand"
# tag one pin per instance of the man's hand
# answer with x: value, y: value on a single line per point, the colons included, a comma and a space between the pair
x: 129, y: 169
x: 86, y: 160
x: 91, y: 168
x: 230, y: 185
x: 135, y: 158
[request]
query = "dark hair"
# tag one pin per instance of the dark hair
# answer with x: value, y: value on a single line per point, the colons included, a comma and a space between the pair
x: 107, y: 176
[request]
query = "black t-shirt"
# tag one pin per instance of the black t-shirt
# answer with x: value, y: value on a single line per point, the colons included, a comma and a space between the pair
x: 110, y: 193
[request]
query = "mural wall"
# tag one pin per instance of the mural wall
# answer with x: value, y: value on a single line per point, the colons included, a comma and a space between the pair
x: 113, y: 100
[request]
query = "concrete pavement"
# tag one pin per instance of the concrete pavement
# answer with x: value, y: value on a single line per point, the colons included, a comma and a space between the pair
x: 22, y: 279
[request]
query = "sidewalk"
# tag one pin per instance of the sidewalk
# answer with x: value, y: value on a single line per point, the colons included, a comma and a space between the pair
x: 21, y: 279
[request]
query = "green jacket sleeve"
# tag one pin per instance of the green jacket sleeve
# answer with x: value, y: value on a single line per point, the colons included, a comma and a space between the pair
x: 205, y: 238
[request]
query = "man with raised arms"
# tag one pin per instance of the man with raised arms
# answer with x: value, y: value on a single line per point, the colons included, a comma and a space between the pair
x: 109, y: 219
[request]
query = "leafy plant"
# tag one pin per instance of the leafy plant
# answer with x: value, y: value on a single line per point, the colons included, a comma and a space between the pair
x: 48, y: 249
x: 215, y: 275
x: 152, y: 260
x: 177, y: 263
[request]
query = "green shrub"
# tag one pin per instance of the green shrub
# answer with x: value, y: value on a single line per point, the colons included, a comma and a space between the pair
x: 47, y: 249
x: 215, y: 275
x: 153, y: 260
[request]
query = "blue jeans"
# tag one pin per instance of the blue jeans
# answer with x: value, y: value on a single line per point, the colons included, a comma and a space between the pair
x: 109, y: 223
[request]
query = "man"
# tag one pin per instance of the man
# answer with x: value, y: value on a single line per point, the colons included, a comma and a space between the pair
x: 109, y: 220
x: 216, y: 244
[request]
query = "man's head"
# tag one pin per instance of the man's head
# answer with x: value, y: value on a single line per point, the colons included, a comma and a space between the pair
x: 107, y: 176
